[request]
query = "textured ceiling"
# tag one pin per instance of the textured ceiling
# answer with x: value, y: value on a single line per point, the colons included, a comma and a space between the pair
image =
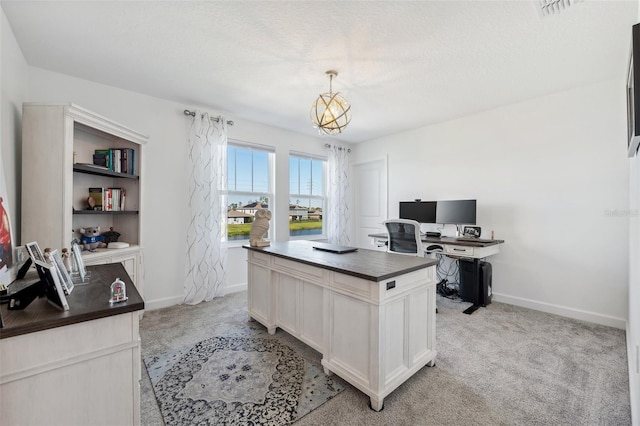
x: 402, y: 65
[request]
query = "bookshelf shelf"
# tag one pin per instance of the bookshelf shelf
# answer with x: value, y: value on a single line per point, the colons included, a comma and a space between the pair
x: 100, y: 212
x: 100, y: 171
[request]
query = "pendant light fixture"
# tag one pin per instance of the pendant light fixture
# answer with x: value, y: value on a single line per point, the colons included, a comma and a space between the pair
x: 331, y: 112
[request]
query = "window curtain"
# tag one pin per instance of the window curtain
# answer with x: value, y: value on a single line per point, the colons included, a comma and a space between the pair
x: 338, y: 196
x: 206, y: 253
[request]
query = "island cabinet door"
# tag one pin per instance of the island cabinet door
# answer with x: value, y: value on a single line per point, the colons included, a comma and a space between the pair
x: 260, y: 296
x: 407, y: 335
x: 299, y: 309
x: 351, y: 336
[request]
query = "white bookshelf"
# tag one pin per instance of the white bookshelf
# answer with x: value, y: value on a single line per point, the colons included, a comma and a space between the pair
x: 58, y: 141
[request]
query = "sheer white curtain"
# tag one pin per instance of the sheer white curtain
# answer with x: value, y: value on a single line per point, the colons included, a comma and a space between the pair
x: 206, y: 254
x: 338, y: 196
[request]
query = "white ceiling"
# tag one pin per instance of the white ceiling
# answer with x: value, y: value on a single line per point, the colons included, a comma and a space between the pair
x: 402, y: 65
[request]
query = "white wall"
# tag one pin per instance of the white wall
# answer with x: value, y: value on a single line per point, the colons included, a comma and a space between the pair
x: 13, y: 80
x: 633, y: 326
x: 551, y: 178
x: 165, y: 172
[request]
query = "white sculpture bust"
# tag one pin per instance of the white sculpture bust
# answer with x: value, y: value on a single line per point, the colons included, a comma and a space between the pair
x: 259, y: 228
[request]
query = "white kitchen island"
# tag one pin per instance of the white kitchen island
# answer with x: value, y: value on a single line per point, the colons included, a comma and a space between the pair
x: 371, y: 314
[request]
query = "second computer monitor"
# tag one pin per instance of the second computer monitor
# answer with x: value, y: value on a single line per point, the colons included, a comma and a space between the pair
x: 460, y: 212
x: 420, y: 211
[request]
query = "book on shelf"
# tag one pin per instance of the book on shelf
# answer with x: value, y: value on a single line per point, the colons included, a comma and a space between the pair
x: 113, y: 199
x: 121, y: 160
x: 104, y: 155
x: 97, y: 194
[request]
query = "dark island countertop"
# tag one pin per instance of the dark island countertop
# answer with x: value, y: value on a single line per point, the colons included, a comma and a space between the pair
x: 86, y: 302
x: 371, y: 265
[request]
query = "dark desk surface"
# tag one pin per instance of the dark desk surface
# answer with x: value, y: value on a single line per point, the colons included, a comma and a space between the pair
x: 450, y: 241
x: 86, y: 302
x: 371, y: 265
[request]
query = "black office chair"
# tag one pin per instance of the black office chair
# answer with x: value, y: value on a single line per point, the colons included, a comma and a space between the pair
x: 403, y: 237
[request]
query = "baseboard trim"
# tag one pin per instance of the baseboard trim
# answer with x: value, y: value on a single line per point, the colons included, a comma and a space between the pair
x: 163, y: 303
x: 235, y: 288
x: 179, y: 300
x: 634, y: 377
x: 562, y: 311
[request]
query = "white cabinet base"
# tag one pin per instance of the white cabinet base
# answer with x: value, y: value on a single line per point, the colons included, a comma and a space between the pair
x: 373, y: 334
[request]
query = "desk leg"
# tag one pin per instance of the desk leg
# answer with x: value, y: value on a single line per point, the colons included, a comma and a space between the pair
x: 325, y: 368
x: 377, y: 404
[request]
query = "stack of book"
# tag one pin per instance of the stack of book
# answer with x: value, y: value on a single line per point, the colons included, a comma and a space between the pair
x: 121, y: 160
x: 108, y: 199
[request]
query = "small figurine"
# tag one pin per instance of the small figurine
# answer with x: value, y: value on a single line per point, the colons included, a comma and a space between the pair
x: 66, y: 259
x: 47, y: 255
x: 91, y: 238
x: 259, y: 228
x: 118, y: 291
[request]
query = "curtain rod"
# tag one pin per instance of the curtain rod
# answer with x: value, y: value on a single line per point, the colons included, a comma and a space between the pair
x: 326, y: 145
x: 216, y: 119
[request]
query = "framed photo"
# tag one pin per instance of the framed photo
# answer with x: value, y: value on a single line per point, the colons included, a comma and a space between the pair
x: 65, y: 278
x: 76, y: 251
x: 472, y: 231
x: 34, y: 251
x: 53, y: 287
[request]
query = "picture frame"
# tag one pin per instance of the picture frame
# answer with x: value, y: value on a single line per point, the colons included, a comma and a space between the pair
x: 63, y: 275
x: 53, y: 287
x: 472, y: 231
x: 34, y: 251
x: 76, y: 251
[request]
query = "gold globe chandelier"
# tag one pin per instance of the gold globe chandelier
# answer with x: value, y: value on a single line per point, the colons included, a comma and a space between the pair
x: 331, y: 112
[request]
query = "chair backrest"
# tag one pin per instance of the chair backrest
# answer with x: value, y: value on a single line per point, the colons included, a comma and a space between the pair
x: 403, y: 237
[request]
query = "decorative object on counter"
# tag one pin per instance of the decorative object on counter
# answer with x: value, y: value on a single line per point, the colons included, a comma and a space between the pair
x: 118, y: 291
x: 34, y: 251
x: 91, y: 238
x: 53, y: 287
x: 47, y: 255
x: 472, y: 231
x: 66, y: 259
x: 63, y: 274
x: 111, y: 236
x: 259, y: 228
x: 79, y: 274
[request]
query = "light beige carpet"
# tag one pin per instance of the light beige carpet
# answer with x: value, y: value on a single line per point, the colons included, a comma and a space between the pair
x: 502, y: 365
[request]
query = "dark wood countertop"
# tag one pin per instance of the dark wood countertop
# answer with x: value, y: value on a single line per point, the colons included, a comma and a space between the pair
x: 86, y: 302
x: 370, y: 265
x: 450, y: 240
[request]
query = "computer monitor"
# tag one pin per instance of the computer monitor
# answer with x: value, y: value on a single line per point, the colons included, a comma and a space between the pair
x: 420, y: 211
x: 459, y: 212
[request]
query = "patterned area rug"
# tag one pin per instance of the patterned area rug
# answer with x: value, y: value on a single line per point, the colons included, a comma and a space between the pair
x: 237, y: 380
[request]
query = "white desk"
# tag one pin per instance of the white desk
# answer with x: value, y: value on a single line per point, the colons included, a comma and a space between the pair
x: 370, y: 314
x: 453, y: 247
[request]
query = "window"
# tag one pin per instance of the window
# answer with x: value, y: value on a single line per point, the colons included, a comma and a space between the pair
x: 307, y: 199
x: 249, y: 186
